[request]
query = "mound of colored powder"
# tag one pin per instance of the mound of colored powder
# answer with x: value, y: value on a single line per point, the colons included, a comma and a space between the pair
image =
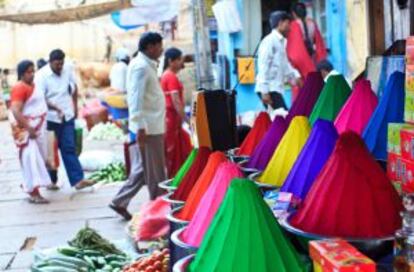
x: 245, y: 236
x: 358, y: 109
x: 210, y: 203
x: 260, y: 127
x: 312, y: 158
x: 307, y: 97
x: 287, y: 152
x: 390, y: 109
x: 192, y: 174
x: 202, y: 184
x: 334, y: 95
x: 184, y: 168
x: 352, y: 197
x: 267, y: 146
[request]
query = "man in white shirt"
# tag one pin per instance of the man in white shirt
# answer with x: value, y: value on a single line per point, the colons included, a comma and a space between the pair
x: 57, y: 81
x: 119, y: 72
x: 326, y: 69
x: 274, y: 68
x: 146, y: 104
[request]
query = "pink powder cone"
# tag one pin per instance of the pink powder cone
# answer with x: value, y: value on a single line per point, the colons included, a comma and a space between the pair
x: 210, y: 203
x: 358, y: 109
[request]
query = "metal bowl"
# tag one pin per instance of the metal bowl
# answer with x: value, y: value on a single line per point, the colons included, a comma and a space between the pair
x: 174, y: 203
x: 373, y: 248
x: 246, y: 170
x: 262, y: 186
x: 232, y: 155
x: 180, y: 249
x: 166, y: 185
x: 175, y: 222
x: 181, y: 265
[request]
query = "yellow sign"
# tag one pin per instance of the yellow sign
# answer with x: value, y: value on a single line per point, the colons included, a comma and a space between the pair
x: 246, y: 70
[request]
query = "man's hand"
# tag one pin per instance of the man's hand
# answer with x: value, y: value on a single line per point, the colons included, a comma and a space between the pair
x: 141, y: 137
x: 299, y: 82
x: 60, y: 113
x: 32, y: 133
x: 267, y: 99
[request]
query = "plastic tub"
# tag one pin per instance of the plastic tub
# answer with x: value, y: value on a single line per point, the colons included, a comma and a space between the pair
x: 174, y: 203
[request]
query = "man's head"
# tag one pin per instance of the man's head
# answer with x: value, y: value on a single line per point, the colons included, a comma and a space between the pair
x: 280, y: 20
x: 324, y: 67
x: 6, y: 72
x: 150, y: 44
x: 40, y: 63
x: 56, y: 61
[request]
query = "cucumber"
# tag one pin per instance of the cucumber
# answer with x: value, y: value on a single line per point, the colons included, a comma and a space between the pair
x: 91, y: 252
x: 72, y: 260
x: 64, y: 264
x: 69, y: 251
x: 89, y: 261
x: 56, y: 268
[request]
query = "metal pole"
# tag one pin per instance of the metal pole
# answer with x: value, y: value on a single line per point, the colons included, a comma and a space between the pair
x: 204, y: 68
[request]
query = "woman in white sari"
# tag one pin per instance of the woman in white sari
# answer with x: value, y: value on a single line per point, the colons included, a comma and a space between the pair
x: 27, y: 117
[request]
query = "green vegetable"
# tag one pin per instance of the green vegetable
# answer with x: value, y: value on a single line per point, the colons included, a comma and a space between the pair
x: 69, y: 251
x: 89, y: 239
x: 111, y: 173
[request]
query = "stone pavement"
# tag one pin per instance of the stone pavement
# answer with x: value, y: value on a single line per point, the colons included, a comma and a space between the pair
x: 26, y: 227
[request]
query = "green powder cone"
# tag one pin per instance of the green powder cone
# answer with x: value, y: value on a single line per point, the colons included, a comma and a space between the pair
x: 334, y: 95
x: 184, y: 168
x: 245, y: 236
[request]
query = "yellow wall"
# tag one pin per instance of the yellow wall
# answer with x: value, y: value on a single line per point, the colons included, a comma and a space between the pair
x: 357, y: 36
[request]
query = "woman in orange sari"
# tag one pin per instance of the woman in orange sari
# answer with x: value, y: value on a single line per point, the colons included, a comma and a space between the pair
x: 305, y: 45
x: 27, y: 118
x: 177, y: 141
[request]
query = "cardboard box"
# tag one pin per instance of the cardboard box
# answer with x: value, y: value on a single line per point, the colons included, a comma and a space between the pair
x: 407, y: 143
x: 394, y: 161
x: 394, y: 137
x: 338, y: 256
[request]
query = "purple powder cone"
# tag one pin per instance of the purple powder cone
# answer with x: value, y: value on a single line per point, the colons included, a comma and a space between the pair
x: 307, y: 97
x: 267, y: 146
x: 312, y: 158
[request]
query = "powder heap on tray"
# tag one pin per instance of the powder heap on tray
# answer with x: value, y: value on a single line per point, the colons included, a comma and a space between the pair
x: 287, y: 152
x: 210, y: 203
x: 202, y: 184
x: 245, y: 236
x: 351, y: 197
x: 193, y: 174
x: 312, y: 158
x: 259, y: 129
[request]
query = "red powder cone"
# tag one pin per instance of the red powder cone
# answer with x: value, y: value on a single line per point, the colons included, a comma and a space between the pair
x: 352, y: 197
x: 192, y: 175
x: 260, y: 127
x: 202, y: 185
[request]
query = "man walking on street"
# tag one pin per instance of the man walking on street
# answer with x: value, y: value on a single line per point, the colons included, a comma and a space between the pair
x: 57, y: 81
x: 146, y: 104
x: 274, y: 68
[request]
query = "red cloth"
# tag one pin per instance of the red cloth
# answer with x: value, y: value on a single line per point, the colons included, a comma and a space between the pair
x: 21, y: 92
x: 177, y: 141
x: 260, y: 127
x: 192, y: 175
x: 352, y: 197
x: 296, y: 48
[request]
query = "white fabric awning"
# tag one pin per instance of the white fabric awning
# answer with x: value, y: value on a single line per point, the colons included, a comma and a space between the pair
x: 63, y: 15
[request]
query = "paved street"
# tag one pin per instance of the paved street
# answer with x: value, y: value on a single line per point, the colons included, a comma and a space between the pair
x: 24, y: 225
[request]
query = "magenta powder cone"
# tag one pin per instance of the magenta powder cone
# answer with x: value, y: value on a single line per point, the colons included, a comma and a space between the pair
x: 307, y: 96
x: 358, y: 109
x: 267, y: 146
x: 210, y: 203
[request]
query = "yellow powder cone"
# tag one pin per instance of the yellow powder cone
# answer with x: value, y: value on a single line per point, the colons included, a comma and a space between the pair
x: 287, y: 152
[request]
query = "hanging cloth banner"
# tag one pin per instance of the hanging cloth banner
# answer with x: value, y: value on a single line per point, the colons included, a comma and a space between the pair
x: 148, y: 11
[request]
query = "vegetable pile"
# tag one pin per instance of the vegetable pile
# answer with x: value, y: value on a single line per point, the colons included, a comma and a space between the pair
x: 107, y: 131
x: 158, y: 261
x: 111, y: 173
x: 87, y: 252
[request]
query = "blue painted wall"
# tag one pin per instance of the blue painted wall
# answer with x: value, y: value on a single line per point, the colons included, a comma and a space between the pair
x: 336, y: 34
x: 247, y: 99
